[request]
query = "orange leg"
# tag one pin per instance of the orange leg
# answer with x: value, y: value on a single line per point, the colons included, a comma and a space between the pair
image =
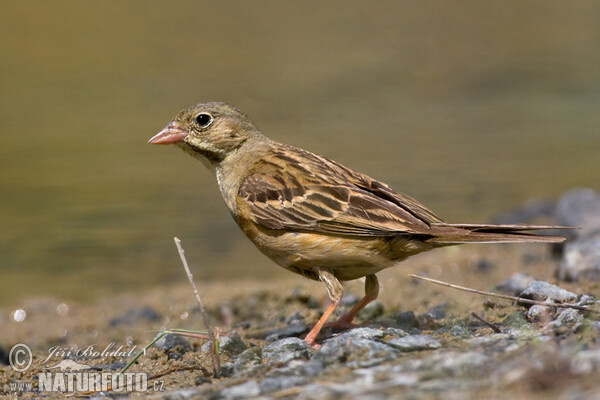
x: 371, y: 293
x: 335, y: 291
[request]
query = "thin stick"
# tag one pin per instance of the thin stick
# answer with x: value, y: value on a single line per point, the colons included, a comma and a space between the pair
x: 216, y: 363
x: 494, y: 327
x: 504, y: 296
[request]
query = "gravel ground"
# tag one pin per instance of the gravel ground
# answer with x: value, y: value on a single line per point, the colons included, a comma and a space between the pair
x: 417, y: 341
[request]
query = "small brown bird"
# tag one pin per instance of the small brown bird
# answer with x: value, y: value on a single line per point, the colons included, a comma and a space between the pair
x: 314, y: 216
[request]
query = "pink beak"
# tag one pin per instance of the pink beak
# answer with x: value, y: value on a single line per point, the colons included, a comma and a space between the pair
x: 171, y: 134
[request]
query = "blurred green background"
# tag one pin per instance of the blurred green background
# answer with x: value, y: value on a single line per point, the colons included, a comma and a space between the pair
x: 471, y: 107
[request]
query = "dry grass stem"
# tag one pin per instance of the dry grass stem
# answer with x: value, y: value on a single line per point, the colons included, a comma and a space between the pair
x: 504, y: 296
x: 216, y: 362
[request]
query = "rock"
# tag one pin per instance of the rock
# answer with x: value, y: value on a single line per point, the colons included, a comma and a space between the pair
x: 364, y: 333
x: 273, y: 384
x: 135, y: 315
x: 407, y: 320
x: 294, y: 319
x: 580, y: 207
x: 415, y: 343
x: 516, y: 284
x: 371, y: 311
x: 242, y: 391
x: 230, y: 344
x: 395, y: 332
x: 540, y: 313
x: 437, y: 312
x: 174, y: 346
x: 248, y: 360
x: 568, y: 319
x: 353, y: 352
x: 285, y: 350
x: 542, y: 291
x: 580, y: 260
x: 286, y: 331
x: 201, y: 380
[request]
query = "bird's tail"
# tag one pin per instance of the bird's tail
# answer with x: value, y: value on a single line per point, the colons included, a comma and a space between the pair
x: 481, y: 233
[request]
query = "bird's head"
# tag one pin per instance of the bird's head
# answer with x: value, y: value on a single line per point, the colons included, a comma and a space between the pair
x: 209, y: 131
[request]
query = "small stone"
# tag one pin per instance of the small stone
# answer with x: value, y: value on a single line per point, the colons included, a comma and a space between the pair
x: 516, y: 284
x: 273, y: 384
x: 287, y: 331
x: 294, y: 319
x: 353, y: 352
x: 248, y: 360
x: 542, y: 291
x: 231, y: 344
x: 407, y: 320
x: 459, y: 331
x: 134, y: 316
x: 242, y: 391
x: 285, y: 350
x: 201, y: 380
x: 579, y: 207
x: 174, y: 346
x: 371, y: 311
x: 364, y: 333
x: 580, y: 260
x: 438, y: 312
x: 415, y: 343
x: 395, y: 332
x: 539, y: 313
x: 568, y: 318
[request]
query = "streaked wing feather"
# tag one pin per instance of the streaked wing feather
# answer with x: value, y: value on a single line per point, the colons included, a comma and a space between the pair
x: 298, y: 190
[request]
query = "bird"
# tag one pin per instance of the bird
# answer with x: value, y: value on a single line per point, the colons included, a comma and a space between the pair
x: 314, y: 216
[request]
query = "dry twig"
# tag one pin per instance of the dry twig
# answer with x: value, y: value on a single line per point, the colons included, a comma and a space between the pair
x: 216, y: 362
x: 505, y: 296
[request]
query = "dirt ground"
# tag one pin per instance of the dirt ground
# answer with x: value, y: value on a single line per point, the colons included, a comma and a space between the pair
x: 53, y: 327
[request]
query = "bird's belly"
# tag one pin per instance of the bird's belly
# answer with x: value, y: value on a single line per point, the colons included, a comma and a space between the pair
x: 348, y: 257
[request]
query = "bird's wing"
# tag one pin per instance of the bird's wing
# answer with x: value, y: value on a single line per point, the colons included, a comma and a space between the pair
x: 293, y: 189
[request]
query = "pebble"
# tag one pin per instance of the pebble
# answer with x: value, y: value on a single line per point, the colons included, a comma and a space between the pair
x: 248, y: 360
x: 580, y: 207
x: 415, y: 343
x: 354, y: 352
x: 516, y: 284
x: 407, y: 320
x: 230, y: 344
x: 581, y: 260
x: 364, y: 333
x: 542, y: 291
x: 286, y: 331
x: 540, y: 313
x: 285, y: 350
x: 274, y: 384
x: 174, y: 345
x: 242, y: 391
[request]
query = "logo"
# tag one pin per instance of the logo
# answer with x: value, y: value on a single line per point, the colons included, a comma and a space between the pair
x: 20, y: 357
x: 70, y: 376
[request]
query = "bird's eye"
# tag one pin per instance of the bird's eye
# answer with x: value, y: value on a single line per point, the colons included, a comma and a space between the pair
x: 203, y: 120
